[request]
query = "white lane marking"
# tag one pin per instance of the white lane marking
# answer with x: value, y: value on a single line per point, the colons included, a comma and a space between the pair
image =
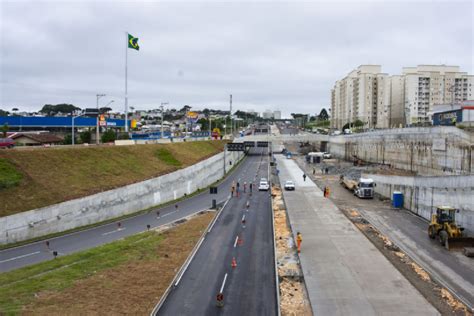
x: 168, y: 214
x: 223, y: 283
x: 114, y: 231
x: 236, y: 240
x: 243, y: 218
x: 22, y: 256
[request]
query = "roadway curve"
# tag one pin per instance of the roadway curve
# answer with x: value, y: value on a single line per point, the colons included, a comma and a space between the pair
x: 14, y: 258
x: 250, y: 288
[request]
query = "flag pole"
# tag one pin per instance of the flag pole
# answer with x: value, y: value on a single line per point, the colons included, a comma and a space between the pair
x: 126, y: 92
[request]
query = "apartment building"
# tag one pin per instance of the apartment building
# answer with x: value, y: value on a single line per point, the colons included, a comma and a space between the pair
x: 364, y: 94
x: 383, y: 101
x: 429, y: 85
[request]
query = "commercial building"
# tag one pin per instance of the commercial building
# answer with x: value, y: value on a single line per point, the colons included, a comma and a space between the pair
x: 277, y: 115
x: 454, y: 114
x: 267, y: 114
x: 383, y: 101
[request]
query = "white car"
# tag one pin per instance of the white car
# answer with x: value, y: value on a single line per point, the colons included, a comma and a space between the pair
x: 289, y: 185
x: 263, y: 186
x: 327, y: 156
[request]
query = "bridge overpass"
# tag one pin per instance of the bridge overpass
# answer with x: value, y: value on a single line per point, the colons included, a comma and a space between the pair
x: 279, y: 139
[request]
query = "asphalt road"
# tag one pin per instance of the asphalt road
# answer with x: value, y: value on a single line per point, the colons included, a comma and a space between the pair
x: 250, y: 288
x: 18, y: 257
x: 409, y: 232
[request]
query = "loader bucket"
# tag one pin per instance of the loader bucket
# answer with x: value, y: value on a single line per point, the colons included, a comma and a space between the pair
x: 459, y: 243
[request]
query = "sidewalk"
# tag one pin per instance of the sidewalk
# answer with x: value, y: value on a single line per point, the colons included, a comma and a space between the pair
x: 344, y: 273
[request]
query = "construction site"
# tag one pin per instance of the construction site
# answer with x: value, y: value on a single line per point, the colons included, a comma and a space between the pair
x: 421, y: 222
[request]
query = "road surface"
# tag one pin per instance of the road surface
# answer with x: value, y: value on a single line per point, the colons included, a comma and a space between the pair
x: 409, y: 232
x: 249, y: 288
x: 18, y: 257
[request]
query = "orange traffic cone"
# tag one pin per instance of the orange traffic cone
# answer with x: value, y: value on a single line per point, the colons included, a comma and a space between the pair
x: 234, y: 263
x: 240, y: 241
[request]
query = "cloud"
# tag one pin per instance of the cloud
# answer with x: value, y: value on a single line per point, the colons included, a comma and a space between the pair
x: 284, y: 55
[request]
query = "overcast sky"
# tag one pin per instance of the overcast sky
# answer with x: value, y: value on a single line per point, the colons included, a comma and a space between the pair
x: 269, y: 55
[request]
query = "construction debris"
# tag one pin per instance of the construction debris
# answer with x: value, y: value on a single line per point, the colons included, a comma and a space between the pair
x: 293, y: 297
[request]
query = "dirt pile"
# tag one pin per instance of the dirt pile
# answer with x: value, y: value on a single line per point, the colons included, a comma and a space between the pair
x: 293, y: 297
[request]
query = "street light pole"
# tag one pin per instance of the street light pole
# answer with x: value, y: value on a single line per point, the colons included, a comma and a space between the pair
x: 210, y: 126
x: 162, y: 114
x: 97, y: 119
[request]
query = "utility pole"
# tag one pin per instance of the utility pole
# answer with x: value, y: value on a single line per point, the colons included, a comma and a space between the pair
x: 97, y: 119
x: 231, y: 127
x: 162, y: 114
x: 210, y: 126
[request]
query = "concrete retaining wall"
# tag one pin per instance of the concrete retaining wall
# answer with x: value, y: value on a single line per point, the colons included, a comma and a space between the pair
x: 423, y: 194
x: 428, y: 151
x: 114, y: 203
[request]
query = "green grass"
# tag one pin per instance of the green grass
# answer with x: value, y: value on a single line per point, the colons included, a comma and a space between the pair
x: 53, y: 235
x: 167, y: 157
x: 9, y: 176
x: 18, y: 287
x: 54, y: 175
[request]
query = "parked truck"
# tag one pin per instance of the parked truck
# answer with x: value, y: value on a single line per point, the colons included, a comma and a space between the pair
x: 362, y: 188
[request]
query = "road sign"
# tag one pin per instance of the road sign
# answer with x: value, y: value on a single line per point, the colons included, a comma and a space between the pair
x: 262, y: 144
x: 248, y: 144
x: 235, y: 147
x: 213, y: 190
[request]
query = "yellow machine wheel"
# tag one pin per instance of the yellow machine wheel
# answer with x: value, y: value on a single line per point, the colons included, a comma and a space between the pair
x: 431, y: 232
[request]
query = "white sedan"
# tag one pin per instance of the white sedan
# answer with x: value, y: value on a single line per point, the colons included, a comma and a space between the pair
x: 263, y: 186
x: 289, y: 185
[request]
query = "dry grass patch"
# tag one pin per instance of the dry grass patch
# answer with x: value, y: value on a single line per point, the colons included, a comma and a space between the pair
x: 53, y: 175
x: 130, y: 286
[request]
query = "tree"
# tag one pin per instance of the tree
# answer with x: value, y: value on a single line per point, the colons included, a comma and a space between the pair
x: 15, y: 110
x: 358, y: 123
x: 204, y: 124
x: 108, y: 136
x: 67, y: 139
x: 323, y: 115
x: 50, y: 110
x: 5, y: 130
x: 185, y: 108
x: 4, y: 113
x: 85, y: 137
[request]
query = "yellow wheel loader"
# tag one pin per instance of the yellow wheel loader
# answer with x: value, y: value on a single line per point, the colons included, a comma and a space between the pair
x: 443, y: 225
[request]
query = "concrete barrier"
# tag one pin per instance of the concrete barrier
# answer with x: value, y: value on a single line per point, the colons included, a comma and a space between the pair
x: 442, y: 150
x: 114, y: 203
x: 423, y: 194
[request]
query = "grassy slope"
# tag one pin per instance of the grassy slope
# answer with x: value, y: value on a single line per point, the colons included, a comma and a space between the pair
x: 53, y: 175
x: 126, y: 275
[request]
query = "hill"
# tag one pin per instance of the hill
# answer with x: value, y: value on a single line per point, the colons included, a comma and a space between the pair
x: 38, y: 177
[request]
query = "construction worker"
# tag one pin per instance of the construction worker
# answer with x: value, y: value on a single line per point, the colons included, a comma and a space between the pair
x: 304, y: 177
x: 314, y: 171
x: 238, y: 187
x: 245, y: 186
x: 327, y: 192
x: 176, y: 207
x: 232, y: 191
x: 251, y: 187
x: 299, y: 239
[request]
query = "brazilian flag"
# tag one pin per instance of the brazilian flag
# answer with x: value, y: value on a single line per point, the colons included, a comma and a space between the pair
x: 133, y: 42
